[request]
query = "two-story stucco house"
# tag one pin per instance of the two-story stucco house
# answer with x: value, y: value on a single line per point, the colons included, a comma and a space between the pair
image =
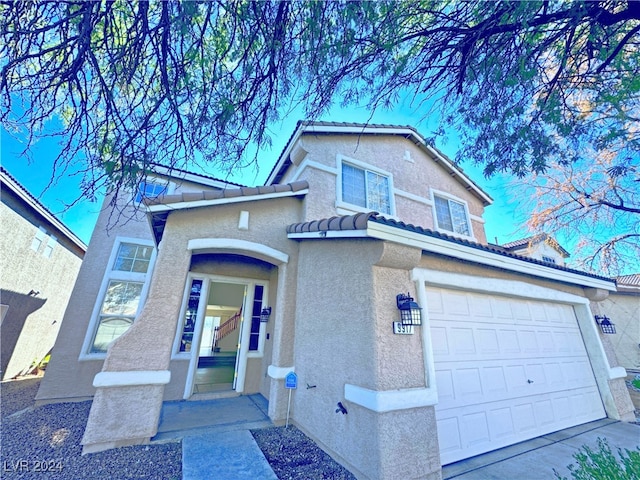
x: 231, y: 288
x: 39, y: 261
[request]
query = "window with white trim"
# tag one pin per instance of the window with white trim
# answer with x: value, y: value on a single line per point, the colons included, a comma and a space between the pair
x: 366, y: 188
x: 121, y: 298
x: 148, y: 189
x: 451, y: 215
x: 548, y: 259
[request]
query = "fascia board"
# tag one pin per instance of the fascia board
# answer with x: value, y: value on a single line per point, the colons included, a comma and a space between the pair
x: 328, y: 234
x: 222, y: 201
x: 190, y: 177
x: 284, y: 156
x: 459, y: 173
x: 463, y: 252
x: 18, y: 190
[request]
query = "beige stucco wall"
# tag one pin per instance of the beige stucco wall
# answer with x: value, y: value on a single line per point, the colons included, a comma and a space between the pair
x: 147, y: 344
x: 68, y: 378
x: 238, y: 267
x: 418, y: 177
x: 346, y: 303
x: 32, y: 323
x: 624, y: 311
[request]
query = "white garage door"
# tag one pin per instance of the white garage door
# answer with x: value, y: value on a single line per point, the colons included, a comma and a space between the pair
x: 506, y: 370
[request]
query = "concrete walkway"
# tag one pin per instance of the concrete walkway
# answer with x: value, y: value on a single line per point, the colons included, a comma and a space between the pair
x: 537, y: 458
x: 216, y: 442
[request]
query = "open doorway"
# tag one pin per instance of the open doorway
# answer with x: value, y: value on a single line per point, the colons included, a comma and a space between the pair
x: 221, y: 329
x: 217, y: 356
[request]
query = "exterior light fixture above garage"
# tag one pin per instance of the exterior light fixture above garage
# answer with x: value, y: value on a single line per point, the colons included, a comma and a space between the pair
x: 410, y: 311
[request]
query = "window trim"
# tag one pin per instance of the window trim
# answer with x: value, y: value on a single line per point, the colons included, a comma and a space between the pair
x: 109, y: 275
x: 449, y: 197
x: 168, y: 186
x: 348, y: 208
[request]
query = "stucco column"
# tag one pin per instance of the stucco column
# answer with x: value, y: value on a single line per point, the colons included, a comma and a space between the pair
x: 128, y: 399
x: 622, y: 406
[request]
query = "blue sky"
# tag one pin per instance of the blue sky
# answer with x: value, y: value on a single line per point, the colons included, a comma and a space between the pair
x: 35, y: 174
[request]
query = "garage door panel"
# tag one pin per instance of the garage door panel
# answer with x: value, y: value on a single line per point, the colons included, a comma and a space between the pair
x: 506, y: 371
x: 495, y: 380
x: 506, y: 422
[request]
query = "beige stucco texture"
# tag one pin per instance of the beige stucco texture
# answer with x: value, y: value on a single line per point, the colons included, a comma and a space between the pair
x: 32, y: 321
x: 355, y: 318
x: 624, y: 311
x: 147, y: 345
x: 416, y: 177
x: 67, y: 378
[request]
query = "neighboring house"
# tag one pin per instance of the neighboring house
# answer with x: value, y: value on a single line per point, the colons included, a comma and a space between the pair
x: 622, y: 308
x: 227, y: 290
x: 39, y: 261
x: 541, y: 247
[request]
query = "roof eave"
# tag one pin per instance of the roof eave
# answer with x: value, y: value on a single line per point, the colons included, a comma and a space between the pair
x: 408, y: 132
x: 18, y: 190
x: 448, y: 248
x: 222, y: 201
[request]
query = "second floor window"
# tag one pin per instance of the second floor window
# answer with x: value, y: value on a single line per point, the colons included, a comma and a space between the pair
x: 451, y: 216
x: 150, y: 190
x: 366, y: 189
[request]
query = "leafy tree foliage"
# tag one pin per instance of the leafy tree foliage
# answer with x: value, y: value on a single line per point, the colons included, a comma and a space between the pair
x: 519, y: 84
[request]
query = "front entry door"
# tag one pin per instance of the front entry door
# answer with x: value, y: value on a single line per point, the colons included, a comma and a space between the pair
x: 220, y: 314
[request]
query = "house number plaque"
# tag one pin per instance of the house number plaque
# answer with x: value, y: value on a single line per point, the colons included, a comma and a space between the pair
x: 400, y: 329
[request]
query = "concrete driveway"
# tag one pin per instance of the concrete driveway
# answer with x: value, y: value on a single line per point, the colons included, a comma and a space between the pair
x: 537, y: 458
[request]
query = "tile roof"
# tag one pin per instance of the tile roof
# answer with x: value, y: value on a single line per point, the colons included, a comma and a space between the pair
x: 359, y: 222
x: 525, y: 242
x: 226, y: 193
x: 633, y: 280
x: 306, y: 126
x: 170, y: 170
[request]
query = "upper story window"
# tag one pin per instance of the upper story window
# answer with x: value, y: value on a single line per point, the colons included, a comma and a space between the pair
x: 548, y: 259
x: 366, y: 188
x: 451, y: 215
x: 42, y: 237
x: 150, y: 190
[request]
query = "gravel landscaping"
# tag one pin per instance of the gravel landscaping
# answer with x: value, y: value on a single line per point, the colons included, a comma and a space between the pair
x: 44, y: 443
x: 292, y: 455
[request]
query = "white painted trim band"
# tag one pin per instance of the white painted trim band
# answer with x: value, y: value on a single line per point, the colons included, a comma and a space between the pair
x: 390, y: 400
x: 234, y: 244
x: 476, y: 255
x: 131, y: 378
x: 278, y: 373
x: 223, y: 201
x: 617, y: 372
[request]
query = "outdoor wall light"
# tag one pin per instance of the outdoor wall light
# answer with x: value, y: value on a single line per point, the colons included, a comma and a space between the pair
x: 605, y: 324
x: 410, y: 311
x: 265, y: 314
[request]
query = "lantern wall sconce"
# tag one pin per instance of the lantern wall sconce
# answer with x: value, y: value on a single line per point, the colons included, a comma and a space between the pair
x: 605, y: 324
x: 410, y: 311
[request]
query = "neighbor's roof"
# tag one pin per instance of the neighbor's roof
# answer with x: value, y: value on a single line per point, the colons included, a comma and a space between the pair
x: 374, y: 225
x: 8, y: 181
x: 158, y: 208
x: 532, y: 240
x: 408, y: 132
x: 633, y: 280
